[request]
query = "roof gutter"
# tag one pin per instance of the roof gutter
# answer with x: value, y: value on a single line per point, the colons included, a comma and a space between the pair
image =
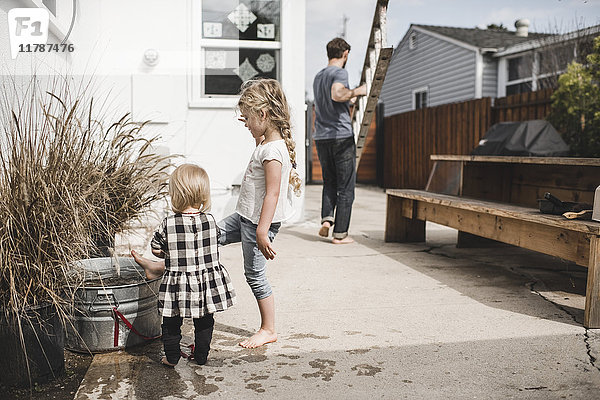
x: 547, y: 41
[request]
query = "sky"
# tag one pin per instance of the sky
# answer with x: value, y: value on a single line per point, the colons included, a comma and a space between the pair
x: 324, y: 22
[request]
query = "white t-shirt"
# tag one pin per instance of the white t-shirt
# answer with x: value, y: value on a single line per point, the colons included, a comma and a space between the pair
x: 253, y: 189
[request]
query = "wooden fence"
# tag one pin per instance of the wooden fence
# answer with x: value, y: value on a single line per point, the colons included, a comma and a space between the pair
x: 411, y: 138
x: 522, y: 107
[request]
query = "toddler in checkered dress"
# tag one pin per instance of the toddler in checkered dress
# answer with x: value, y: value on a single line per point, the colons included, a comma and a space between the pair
x: 194, y: 285
x: 265, y: 199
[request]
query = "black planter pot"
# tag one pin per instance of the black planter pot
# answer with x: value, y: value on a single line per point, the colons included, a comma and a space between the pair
x: 43, y: 350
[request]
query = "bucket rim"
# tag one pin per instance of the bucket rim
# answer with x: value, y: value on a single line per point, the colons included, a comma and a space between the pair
x: 125, y: 285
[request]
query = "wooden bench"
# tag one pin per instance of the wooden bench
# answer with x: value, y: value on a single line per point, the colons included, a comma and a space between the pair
x: 494, y: 185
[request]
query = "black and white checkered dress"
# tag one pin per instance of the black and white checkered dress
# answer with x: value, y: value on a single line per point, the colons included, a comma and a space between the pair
x: 194, y: 283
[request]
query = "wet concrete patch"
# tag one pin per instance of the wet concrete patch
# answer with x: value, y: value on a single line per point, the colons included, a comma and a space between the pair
x: 291, y: 357
x: 202, y: 388
x: 229, y: 358
x: 257, y: 387
x: 253, y: 358
x: 298, y: 336
x: 151, y: 378
x: 358, y: 351
x: 324, y: 367
x: 254, y: 377
x: 366, y: 370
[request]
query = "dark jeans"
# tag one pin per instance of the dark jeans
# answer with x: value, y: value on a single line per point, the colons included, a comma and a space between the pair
x: 171, y: 337
x: 338, y: 163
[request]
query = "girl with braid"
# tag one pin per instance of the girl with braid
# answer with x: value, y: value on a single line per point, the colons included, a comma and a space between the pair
x: 265, y: 195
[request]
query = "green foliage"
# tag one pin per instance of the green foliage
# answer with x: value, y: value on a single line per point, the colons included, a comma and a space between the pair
x: 497, y: 27
x: 576, y: 105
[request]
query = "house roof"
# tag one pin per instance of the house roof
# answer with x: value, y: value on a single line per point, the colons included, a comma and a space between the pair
x: 482, y: 38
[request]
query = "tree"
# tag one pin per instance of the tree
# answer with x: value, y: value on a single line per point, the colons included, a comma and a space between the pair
x: 576, y: 105
x: 497, y: 27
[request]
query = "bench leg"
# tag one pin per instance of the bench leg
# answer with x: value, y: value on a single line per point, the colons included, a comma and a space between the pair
x: 399, y: 227
x: 591, y: 318
x: 468, y: 240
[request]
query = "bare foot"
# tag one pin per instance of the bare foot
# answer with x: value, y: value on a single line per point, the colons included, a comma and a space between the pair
x: 167, y: 363
x: 345, y: 240
x: 152, y: 269
x: 324, y: 231
x: 259, y: 338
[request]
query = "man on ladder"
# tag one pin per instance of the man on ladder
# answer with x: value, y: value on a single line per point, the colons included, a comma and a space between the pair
x: 335, y: 141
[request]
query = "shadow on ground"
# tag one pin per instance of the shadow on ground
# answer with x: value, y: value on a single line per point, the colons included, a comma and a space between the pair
x: 510, y: 273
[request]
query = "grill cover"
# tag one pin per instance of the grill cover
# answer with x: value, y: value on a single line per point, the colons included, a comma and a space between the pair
x: 536, y: 138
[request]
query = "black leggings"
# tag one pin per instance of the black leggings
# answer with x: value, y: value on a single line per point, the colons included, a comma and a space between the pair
x: 171, y: 337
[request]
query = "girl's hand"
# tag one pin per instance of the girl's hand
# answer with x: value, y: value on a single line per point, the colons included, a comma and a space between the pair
x: 264, y: 245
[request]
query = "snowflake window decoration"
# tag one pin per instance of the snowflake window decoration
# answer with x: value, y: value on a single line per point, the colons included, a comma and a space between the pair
x: 242, y: 17
x: 246, y: 71
x: 265, y: 62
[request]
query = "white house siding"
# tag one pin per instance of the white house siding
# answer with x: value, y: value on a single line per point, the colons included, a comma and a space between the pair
x: 21, y: 68
x: 447, y: 69
x: 110, y: 38
x: 490, y: 76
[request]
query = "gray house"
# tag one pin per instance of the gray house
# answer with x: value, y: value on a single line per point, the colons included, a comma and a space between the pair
x: 435, y: 65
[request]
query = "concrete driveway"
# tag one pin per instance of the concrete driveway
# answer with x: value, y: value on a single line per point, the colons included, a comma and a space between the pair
x: 383, y: 320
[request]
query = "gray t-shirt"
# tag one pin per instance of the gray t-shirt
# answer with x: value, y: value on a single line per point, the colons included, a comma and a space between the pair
x: 333, y: 118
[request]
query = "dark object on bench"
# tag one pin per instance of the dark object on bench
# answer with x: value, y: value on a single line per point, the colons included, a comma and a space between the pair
x: 528, y: 138
x: 551, y: 204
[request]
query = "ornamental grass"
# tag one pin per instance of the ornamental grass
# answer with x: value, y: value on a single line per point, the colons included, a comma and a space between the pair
x: 69, y: 174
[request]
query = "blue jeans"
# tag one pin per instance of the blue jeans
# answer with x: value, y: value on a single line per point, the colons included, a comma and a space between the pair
x: 338, y: 163
x: 236, y: 228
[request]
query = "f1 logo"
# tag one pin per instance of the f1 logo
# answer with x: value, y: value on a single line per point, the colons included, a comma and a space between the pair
x: 27, y: 26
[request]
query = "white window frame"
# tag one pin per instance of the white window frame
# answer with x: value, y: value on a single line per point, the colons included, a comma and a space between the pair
x: 423, y: 89
x: 535, y: 69
x: 199, y: 45
x: 58, y: 24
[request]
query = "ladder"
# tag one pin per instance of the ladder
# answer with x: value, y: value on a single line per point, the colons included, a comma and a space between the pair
x: 377, y: 59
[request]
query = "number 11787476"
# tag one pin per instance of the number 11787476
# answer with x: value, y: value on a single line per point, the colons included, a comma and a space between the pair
x: 41, y: 48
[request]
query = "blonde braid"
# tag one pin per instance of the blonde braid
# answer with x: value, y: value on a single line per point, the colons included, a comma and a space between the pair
x: 286, y: 133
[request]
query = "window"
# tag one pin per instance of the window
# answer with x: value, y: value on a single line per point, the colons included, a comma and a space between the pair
x: 539, y: 69
x: 556, y: 59
x: 50, y: 5
x: 520, y: 74
x: 420, y: 98
x: 226, y: 69
x: 237, y: 40
x: 412, y: 41
x: 243, y: 20
x: 520, y: 67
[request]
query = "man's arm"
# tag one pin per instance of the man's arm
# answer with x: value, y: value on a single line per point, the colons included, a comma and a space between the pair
x: 341, y: 94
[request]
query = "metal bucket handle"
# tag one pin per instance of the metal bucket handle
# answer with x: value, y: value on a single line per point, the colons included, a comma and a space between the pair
x: 107, y: 295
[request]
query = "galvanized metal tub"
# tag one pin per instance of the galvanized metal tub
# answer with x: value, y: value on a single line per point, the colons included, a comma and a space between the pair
x: 94, y: 328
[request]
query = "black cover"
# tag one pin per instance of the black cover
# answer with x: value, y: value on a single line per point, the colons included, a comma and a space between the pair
x: 536, y: 138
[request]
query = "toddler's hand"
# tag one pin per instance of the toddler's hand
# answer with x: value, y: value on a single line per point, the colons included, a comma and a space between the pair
x: 264, y: 245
